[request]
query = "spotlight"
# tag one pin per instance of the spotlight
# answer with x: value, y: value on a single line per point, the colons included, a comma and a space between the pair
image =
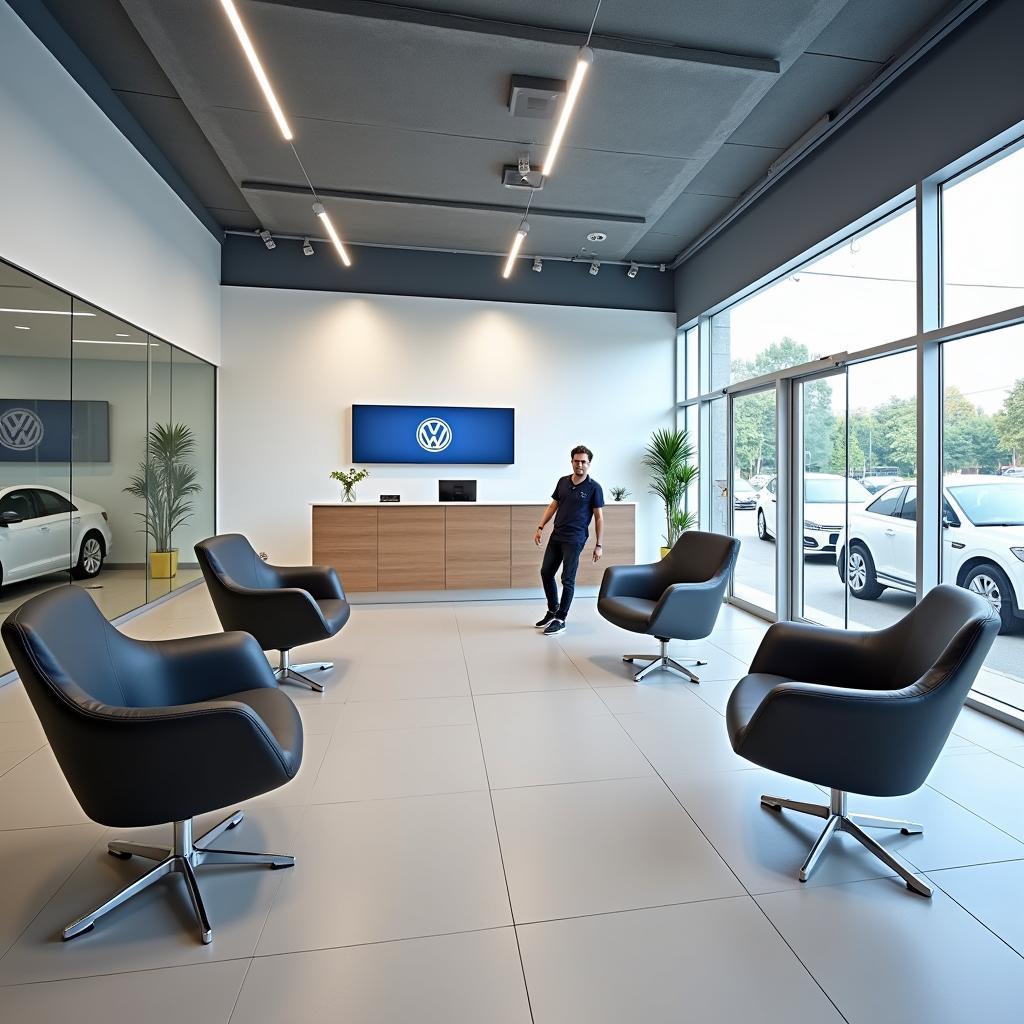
x: 307, y: 247
x: 633, y: 270
x: 595, y: 267
x: 524, y: 166
x: 268, y: 240
x: 661, y: 267
x: 538, y: 266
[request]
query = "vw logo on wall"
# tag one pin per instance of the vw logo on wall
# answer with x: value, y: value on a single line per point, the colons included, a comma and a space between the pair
x: 20, y: 430
x: 433, y: 435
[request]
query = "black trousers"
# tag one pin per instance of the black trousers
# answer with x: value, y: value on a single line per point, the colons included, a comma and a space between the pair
x: 564, y: 553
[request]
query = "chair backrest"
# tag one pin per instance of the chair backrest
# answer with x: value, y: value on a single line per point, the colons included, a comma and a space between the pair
x: 230, y: 558
x: 699, y: 556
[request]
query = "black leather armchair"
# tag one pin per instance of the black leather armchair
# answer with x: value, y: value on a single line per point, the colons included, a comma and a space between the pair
x: 153, y: 732
x: 282, y: 606
x: 677, y: 598
x: 861, y: 712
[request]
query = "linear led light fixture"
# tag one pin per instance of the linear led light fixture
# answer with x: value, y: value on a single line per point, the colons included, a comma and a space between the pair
x: 318, y: 209
x: 257, y: 67
x: 517, y: 244
x: 44, y: 312
x: 584, y: 59
x: 88, y: 341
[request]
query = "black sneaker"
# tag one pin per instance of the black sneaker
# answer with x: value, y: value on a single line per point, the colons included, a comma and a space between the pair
x: 554, y: 627
x: 548, y: 616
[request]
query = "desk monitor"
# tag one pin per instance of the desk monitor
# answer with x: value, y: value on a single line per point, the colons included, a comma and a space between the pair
x: 456, y: 490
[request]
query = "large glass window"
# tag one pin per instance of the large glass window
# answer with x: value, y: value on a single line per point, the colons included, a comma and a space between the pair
x: 983, y: 239
x: 983, y: 513
x: 82, y: 486
x: 860, y: 293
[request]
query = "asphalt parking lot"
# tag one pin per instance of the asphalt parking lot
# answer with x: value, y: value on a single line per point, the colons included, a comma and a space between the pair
x: 824, y: 595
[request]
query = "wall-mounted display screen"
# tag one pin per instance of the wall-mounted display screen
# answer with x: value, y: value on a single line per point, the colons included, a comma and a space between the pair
x: 425, y: 434
x: 54, y: 430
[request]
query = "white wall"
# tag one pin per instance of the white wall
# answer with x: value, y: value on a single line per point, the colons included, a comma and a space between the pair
x: 294, y: 363
x: 82, y: 209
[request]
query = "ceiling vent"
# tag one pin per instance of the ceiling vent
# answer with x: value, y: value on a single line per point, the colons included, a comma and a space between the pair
x: 538, y: 98
x: 513, y: 177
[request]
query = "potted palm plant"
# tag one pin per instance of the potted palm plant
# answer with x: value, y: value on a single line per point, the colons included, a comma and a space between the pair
x: 668, y: 455
x: 166, y: 482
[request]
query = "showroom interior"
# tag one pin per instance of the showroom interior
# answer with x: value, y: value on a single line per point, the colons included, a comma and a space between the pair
x: 789, y: 236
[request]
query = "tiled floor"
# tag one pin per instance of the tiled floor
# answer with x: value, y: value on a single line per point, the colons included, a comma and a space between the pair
x: 493, y: 826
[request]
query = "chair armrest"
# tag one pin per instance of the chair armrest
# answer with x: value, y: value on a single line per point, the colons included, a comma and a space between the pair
x: 320, y: 581
x: 830, y: 657
x: 687, y: 611
x: 290, y: 607
x: 204, y: 668
x: 628, y: 581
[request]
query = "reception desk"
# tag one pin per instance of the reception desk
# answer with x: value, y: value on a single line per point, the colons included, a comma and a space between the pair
x: 457, y: 546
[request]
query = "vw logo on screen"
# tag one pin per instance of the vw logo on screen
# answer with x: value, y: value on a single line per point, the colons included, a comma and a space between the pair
x: 21, y: 430
x: 433, y: 435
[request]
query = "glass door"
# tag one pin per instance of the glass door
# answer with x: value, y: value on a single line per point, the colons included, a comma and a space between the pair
x: 751, y: 488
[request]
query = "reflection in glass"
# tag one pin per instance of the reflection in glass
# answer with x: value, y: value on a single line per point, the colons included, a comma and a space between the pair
x: 719, y: 468
x: 859, y: 294
x: 753, y: 490
x: 152, y: 485
x: 35, y: 440
x: 983, y: 239
x: 108, y: 383
x: 983, y: 506
x: 692, y: 426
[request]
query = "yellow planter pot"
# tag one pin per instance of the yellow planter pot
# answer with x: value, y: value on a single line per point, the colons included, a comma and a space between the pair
x: 665, y: 551
x: 163, y: 565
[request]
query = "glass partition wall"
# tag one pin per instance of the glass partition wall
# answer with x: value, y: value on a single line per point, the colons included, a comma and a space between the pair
x: 83, y: 472
x: 869, y: 394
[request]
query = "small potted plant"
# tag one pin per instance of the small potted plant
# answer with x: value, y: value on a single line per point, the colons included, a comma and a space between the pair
x: 348, y: 481
x: 619, y: 494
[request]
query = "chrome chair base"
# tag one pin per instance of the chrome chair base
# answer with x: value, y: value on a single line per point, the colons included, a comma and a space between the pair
x: 662, y: 660
x: 184, y: 857
x: 286, y: 672
x: 837, y: 820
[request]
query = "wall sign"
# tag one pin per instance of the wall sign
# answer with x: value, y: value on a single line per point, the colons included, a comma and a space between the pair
x: 54, y: 430
x: 427, y: 434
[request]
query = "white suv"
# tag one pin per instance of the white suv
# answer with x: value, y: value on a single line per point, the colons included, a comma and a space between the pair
x: 44, y: 530
x: 982, y: 542
x: 825, y: 499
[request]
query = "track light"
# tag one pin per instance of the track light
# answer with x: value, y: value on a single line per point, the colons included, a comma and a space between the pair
x: 584, y: 59
x: 538, y: 266
x: 594, y: 268
x: 633, y: 270
x: 517, y: 243
x: 318, y: 209
x: 268, y: 239
x: 307, y: 247
x: 257, y: 67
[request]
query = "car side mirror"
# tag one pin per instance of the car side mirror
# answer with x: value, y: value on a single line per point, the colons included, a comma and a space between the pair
x: 6, y: 518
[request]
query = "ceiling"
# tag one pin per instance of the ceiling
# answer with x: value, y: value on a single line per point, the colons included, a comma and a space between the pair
x: 400, y: 113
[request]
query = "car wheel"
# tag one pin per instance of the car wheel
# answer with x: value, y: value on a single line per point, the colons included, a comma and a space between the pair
x: 860, y: 574
x: 990, y: 582
x: 762, y: 525
x: 90, y: 557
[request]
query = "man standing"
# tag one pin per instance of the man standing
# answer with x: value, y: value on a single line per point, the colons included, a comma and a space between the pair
x: 575, y: 499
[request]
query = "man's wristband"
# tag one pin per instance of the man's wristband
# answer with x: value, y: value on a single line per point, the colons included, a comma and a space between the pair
x: 598, y: 545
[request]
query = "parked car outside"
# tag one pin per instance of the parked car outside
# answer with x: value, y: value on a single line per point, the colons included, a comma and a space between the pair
x: 982, y: 542
x: 758, y: 480
x: 876, y: 483
x: 743, y: 495
x: 825, y: 498
x: 44, y: 530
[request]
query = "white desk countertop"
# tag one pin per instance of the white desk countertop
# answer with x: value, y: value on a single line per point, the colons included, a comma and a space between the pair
x: 428, y: 504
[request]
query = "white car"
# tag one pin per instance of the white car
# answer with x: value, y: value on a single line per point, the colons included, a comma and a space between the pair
x: 982, y: 542
x: 45, y: 530
x: 825, y: 499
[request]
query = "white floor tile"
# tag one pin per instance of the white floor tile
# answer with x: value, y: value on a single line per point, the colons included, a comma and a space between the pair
x: 471, y: 977
x: 987, y: 784
x: 363, y: 715
x: 993, y: 893
x: 884, y: 954
x: 33, y: 794
x: 390, y: 869
x: 596, y: 847
x: 385, y: 763
x: 987, y: 732
x: 718, y: 962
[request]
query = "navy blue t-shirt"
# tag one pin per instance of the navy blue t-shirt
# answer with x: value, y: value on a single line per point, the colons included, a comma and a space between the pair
x: 576, y: 504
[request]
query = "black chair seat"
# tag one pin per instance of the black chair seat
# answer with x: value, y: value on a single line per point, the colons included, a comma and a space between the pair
x: 632, y: 613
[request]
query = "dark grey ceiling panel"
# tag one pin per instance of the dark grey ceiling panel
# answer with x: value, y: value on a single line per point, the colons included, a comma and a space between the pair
x: 876, y: 29
x: 655, y: 248
x: 732, y: 170
x: 690, y: 214
x: 812, y: 87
